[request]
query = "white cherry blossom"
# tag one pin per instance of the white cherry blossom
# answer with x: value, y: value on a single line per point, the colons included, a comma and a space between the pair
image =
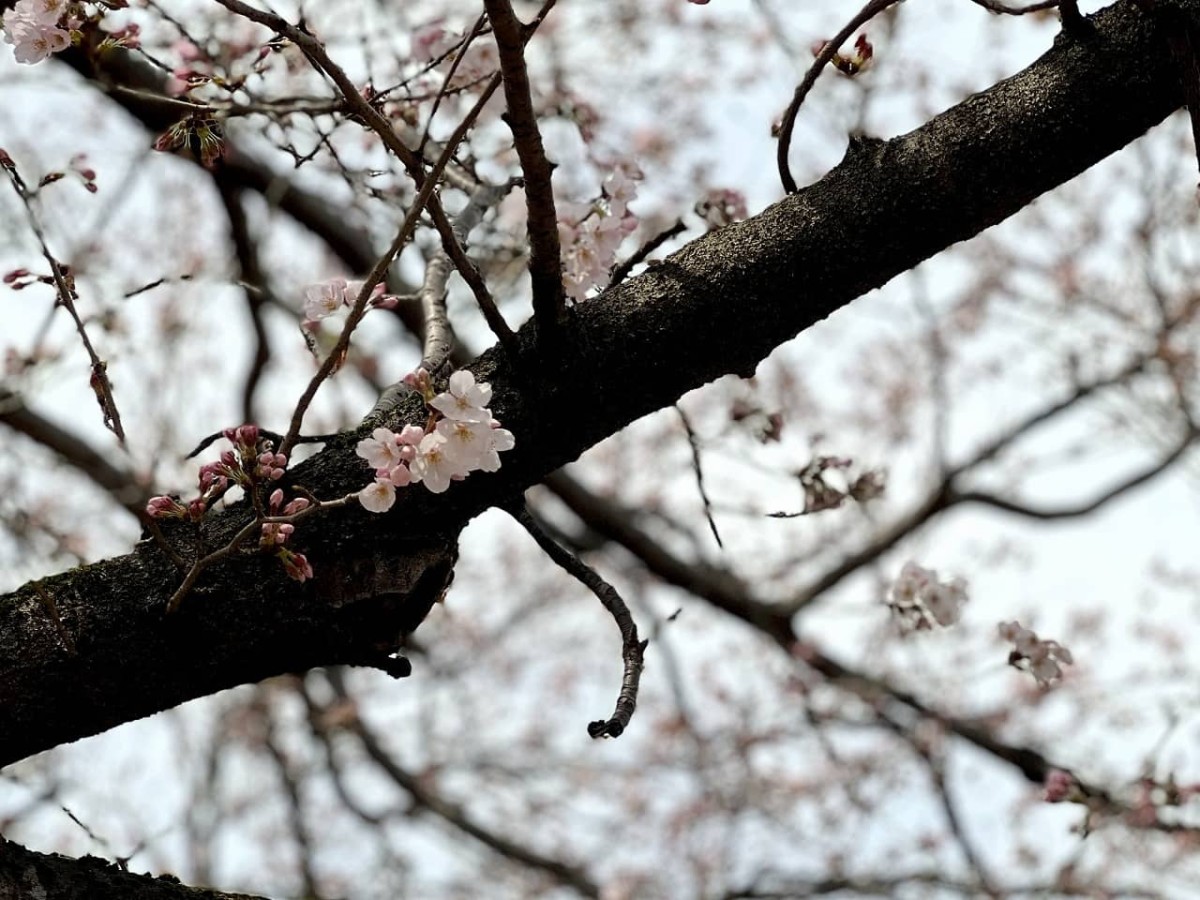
x: 466, y: 401
x: 378, y: 496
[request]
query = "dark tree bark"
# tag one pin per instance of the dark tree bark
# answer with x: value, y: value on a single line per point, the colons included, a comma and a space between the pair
x: 88, y: 649
x: 48, y: 876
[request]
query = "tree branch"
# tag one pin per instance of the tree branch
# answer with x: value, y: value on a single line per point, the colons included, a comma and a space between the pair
x: 719, y: 305
x: 545, y: 254
x: 632, y: 648
x: 24, y: 873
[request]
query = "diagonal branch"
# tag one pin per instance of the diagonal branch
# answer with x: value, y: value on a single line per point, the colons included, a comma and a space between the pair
x: 545, y: 254
x: 719, y: 305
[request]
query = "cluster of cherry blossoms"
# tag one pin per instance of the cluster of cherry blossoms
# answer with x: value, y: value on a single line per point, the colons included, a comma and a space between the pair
x: 721, y: 207
x: 920, y: 601
x: 32, y: 27
x: 324, y: 299
x: 590, y: 233
x: 434, y: 44
x: 1042, y: 659
x: 460, y: 437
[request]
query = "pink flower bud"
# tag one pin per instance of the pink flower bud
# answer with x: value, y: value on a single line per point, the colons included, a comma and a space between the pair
x: 163, y: 507
x: 1058, y: 786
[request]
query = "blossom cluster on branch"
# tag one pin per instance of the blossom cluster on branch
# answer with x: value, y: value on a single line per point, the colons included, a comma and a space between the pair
x: 590, y: 233
x: 460, y: 437
x: 33, y: 29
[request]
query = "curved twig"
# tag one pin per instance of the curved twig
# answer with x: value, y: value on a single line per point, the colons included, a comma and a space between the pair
x: 632, y: 649
x: 827, y: 53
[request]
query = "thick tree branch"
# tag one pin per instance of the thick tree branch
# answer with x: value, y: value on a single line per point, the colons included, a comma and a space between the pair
x: 719, y: 305
x: 49, y: 876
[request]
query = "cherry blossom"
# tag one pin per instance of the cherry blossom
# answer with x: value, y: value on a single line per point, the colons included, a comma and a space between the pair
x: 324, y: 299
x: 1042, y: 659
x: 378, y: 496
x: 462, y: 437
x: 500, y: 439
x: 1058, y: 786
x: 275, y: 533
x: 43, y: 12
x: 590, y: 233
x: 436, y: 463
x: 296, y: 564
x: 921, y: 601
x: 467, y: 442
x: 165, y: 508
x: 466, y: 400
x: 381, y: 450
x: 32, y: 41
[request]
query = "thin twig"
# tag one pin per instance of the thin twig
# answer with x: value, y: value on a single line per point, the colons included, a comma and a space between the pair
x: 101, y: 386
x: 1005, y: 10
x: 290, y: 781
x: 459, y: 55
x: 632, y: 649
x: 122, y: 484
x: 827, y: 53
x: 621, y: 272
x: 439, y: 336
x: 52, y: 611
x: 699, y: 473
x: 253, y: 282
x: 545, y: 254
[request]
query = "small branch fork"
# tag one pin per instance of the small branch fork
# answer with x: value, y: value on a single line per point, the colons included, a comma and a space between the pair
x: 864, y: 15
x: 545, y: 266
x: 1070, y: 14
x: 250, y: 529
x: 64, y: 284
x: 425, y: 180
x: 632, y: 649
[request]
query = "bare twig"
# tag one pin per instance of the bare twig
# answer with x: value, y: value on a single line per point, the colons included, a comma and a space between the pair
x: 699, y: 473
x: 51, y: 608
x: 545, y: 255
x: 621, y: 272
x: 252, y: 279
x: 64, y: 284
x: 632, y: 649
x: 295, y: 801
x: 1085, y: 507
x: 461, y: 52
x: 827, y: 53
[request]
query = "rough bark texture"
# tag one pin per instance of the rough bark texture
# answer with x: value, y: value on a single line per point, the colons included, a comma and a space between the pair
x: 25, y: 875
x: 91, y: 648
